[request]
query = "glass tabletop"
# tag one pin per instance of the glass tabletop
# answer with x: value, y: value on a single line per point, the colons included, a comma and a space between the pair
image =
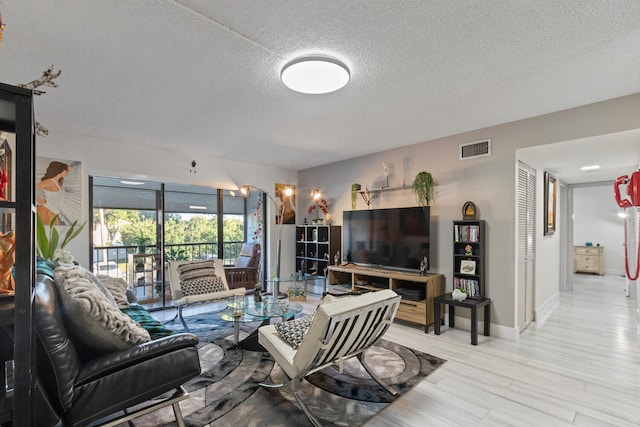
x: 270, y: 307
x: 291, y: 279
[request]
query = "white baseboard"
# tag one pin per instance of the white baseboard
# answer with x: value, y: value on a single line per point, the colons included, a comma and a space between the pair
x: 542, y: 312
x: 499, y: 331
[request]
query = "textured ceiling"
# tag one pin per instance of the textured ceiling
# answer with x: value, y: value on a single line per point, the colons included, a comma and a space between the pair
x: 204, y: 75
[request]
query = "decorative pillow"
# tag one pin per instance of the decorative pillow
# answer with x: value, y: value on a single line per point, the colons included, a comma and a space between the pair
x: 7, y: 251
x: 199, y: 277
x: 196, y: 265
x: 293, y: 331
x: 118, y: 289
x: 91, y: 313
x: 142, y: 317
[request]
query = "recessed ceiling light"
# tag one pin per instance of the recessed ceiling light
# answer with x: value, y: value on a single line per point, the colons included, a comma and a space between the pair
x: 200, y: 208
x: 315, y: 75
x: 590, y: 168
x: 132, y: 182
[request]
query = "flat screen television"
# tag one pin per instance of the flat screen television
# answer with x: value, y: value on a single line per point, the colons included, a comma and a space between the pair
x: 396, y: 238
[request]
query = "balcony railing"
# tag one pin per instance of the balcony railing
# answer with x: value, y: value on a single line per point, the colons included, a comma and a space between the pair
x: 114, y: 260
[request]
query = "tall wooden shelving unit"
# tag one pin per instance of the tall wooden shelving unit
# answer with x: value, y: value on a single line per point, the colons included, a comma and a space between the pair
x: 17, y: 314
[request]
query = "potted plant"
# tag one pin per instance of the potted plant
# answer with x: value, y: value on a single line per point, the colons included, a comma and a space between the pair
x: 49, y: 246
x: 142, y: 242
x: 354, y: 194
x: 423, y: 188
x: 321, y: 205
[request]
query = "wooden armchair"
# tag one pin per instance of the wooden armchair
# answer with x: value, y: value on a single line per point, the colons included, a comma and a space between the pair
x: 245, y: 272
x: 339, y: 330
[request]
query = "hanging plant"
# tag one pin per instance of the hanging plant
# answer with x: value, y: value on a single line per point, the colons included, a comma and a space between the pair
x: 354, y: 195
x: 423, y: 188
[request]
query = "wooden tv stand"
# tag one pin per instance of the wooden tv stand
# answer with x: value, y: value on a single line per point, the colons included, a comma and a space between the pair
x: 379, y: 278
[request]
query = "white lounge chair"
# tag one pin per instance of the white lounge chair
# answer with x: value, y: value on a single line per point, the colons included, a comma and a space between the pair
x: 180, y: 300
x: 341, y: 329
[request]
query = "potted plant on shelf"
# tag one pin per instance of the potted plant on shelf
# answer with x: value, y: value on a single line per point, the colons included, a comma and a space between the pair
x: 423, y: 188
x: 354, y: 194
x: 142, y: 242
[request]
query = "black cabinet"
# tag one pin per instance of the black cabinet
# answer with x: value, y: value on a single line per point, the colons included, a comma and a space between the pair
x: 316, y: 247
x: 469, y: 256
x: 17, y: 214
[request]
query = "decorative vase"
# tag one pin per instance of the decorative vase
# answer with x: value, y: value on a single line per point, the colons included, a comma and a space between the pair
x: 458, y: 295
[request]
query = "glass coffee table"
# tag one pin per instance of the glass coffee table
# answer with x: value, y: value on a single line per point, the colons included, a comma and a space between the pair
x: 256, y: 312
x: 298, y: 282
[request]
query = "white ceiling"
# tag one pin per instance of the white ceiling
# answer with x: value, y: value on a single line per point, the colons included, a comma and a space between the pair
x: 204, y: 75
x: 617, y: 154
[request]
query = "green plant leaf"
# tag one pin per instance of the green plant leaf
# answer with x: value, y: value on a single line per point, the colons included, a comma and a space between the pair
x: 423, y: 188
x: 53, y: 241
x: 43, y: 240
x: 49, y: 243
x: 72, y: 233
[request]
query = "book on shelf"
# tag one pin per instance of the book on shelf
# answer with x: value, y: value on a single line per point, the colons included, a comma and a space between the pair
x: 467, y: 233
x: 470, y: 286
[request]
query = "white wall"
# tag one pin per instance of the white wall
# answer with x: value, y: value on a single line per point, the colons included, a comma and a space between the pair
x: 595, y: 220
x: 489, y: 182
x: 547, y: 270
x: 103, y: 157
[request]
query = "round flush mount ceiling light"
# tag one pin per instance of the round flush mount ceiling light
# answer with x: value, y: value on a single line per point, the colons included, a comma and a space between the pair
x: 315, y: 75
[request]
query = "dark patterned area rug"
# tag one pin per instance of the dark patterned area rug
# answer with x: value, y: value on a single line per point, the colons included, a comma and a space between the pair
x: 227, y: 392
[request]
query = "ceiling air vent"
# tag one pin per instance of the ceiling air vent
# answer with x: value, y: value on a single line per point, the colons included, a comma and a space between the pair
x: 472, y: 150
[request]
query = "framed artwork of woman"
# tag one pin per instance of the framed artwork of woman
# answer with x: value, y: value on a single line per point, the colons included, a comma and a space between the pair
x: 58, y: 190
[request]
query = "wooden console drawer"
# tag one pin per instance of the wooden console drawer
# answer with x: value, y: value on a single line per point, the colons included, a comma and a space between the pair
x: 412, y: 311
x: 374, y: 279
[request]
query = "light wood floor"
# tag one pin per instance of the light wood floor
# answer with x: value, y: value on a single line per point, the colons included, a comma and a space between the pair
x: 578, y: 367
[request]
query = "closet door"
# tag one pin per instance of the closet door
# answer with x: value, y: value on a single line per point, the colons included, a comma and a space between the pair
x: 525, y: 244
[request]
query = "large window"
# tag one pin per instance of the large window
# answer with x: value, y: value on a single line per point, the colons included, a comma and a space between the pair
x: 139, y: 226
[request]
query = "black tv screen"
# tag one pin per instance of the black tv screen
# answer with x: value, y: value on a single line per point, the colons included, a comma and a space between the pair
x: 395, y: 238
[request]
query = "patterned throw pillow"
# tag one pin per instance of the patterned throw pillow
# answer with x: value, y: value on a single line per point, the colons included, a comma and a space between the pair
x: 293, y: 331
x: 143, y: 318
x: 118, y: 289
x: 199, y: 277
x: 91, y: 313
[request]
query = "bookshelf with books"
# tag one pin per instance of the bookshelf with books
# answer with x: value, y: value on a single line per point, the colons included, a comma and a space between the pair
x: 469, y: 257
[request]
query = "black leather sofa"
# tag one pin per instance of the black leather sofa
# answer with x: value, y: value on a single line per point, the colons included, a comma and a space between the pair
x: 80, y: 386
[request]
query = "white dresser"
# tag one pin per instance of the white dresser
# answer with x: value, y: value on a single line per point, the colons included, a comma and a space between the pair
x: 588, y: 259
